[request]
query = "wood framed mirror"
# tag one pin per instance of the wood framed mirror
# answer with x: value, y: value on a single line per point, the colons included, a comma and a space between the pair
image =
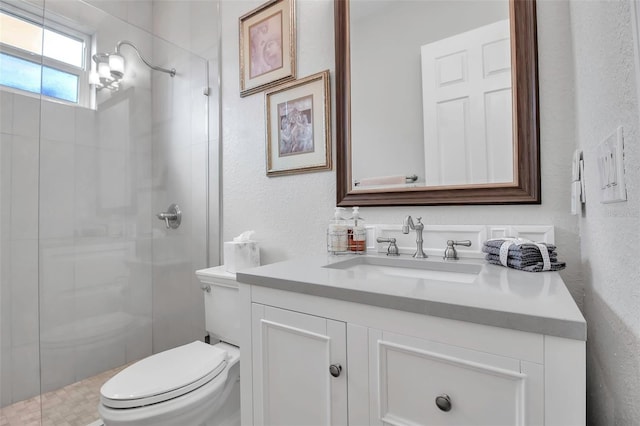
x: 524, y: 187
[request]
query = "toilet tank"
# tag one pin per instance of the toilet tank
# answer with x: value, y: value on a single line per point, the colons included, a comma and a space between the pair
x: 221, y: 304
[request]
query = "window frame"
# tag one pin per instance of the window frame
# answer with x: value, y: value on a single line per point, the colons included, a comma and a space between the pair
x: 47, y: 23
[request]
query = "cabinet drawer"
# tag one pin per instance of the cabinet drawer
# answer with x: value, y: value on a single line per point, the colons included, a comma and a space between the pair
x: 420, y: 382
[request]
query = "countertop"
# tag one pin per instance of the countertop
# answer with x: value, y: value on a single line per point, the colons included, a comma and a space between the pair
x: 501, y: 297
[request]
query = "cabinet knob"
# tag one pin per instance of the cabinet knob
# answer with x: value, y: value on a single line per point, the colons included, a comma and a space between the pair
x: 443, y: 402
x: 335, y: 370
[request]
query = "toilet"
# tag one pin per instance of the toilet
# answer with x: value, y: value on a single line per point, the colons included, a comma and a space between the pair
x: 194, y: 384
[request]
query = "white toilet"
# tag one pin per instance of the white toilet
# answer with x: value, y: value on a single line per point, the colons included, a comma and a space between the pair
x: 195, y: 384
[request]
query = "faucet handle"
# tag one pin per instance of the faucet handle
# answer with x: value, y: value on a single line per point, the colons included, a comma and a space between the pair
x: 450, y: 253
x: 392, y: 250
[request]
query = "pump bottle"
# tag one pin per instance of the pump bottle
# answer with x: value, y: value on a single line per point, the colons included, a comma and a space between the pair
x: 337, y: 233
x: 357, y: 233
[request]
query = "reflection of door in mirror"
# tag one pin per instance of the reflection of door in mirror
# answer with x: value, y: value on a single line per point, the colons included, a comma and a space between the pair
x: 466, y: 95
x: 389, y: 117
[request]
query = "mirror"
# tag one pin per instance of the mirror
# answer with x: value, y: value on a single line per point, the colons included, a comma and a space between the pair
x: 389, y: 130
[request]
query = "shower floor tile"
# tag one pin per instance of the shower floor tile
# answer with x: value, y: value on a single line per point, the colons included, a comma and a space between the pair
x: 73, y: 405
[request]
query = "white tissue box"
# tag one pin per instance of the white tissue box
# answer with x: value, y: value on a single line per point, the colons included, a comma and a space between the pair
x: 241, y: 255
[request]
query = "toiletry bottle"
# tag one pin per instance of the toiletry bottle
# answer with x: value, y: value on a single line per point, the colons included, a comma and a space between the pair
x: 357, y: 233
x: 337, y: 233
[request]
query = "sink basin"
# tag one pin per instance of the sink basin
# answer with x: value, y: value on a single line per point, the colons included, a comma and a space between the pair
x: 366, y: 267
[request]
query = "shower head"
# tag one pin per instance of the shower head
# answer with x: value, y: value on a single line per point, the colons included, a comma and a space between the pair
x: 110, y: 66
x: 171, y: 72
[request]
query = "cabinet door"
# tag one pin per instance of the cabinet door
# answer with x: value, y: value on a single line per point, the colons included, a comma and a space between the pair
x: 292, y: 356
x: 419, y: 382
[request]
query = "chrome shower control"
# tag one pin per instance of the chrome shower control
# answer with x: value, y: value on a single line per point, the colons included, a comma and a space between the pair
x: 172, y: 217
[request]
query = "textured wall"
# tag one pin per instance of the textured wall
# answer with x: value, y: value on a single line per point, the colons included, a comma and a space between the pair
x: 606, y: 98
x: 290, y: 213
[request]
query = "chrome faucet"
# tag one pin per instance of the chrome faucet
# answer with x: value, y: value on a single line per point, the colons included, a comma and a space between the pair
x: 419, y: 227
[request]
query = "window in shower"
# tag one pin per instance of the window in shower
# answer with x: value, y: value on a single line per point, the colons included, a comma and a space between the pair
x: 50, y: 59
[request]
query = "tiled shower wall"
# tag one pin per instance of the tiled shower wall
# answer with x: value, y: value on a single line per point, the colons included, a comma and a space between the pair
x: 19, y: 133
x: 87, y: 271
x: 74, y: 297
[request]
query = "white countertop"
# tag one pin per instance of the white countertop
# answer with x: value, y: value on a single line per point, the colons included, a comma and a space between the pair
x: 501, y: 297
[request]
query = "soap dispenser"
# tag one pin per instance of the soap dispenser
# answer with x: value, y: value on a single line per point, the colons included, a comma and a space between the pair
x: 357, y: 233
x: 337, y: 233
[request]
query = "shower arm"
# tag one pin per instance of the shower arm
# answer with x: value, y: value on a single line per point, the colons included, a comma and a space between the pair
x: 171, y: 72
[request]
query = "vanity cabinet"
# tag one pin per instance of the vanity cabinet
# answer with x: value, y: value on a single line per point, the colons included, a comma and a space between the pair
x: 326, y: 345
x: 298, y: 368
x: 399, y: 368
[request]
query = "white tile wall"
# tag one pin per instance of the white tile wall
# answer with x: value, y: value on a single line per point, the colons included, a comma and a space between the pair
x: 86, y: 130
x: 86, y: 196
x: 24, y: 370
x: 6, y: 385
x: 58, y: 122
x: 24, y: 292
x: 172, y: 21
x: 57, y: 184
x: 86, y: 193
x: 180, y: 156
x: 57, y: 285
x: 26, y: 116
x: 6, y: 112
x: 57, y: 366
x: 24, y: 187
x: 19, y: 247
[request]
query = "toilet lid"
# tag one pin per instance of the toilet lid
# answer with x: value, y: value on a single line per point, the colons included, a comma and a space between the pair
x: 164, y: 375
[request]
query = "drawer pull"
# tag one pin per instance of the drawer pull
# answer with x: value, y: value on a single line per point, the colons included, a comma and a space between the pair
x: 335, y: 370
x: 443, y: 402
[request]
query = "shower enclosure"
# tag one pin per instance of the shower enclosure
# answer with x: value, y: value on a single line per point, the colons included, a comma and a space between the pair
x: 91, y: 279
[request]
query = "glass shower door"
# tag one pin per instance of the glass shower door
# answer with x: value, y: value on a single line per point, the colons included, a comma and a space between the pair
x: 91, y: 279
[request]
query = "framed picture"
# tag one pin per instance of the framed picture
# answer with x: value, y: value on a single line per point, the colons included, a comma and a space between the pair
x: 299, y: 126
x: 267, y: 46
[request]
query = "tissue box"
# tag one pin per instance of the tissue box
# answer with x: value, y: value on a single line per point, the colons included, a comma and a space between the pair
x: 241, y: 255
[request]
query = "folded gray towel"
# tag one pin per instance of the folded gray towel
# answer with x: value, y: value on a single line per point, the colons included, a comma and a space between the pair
x: 518, y: 253
x: 523, y: 255
x: 555, y: 266
x: 522, y: 262
x: 497, y: 243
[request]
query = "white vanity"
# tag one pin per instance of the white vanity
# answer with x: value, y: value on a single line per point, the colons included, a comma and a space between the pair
x: 376, y: 340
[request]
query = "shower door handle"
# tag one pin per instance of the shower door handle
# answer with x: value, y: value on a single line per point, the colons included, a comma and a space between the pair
x: 172, y: 217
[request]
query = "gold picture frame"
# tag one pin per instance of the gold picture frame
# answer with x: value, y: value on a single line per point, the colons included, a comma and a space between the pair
x: 267, y: 46
x: 298, y: 125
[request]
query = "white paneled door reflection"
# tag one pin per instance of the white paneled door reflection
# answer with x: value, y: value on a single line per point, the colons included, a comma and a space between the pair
x: 466, y: 84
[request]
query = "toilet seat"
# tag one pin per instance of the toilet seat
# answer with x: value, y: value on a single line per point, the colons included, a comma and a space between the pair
x: 163, y: 376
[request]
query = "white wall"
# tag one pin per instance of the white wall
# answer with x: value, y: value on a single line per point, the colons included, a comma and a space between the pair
x: 606, y: 98
x: 290, y: 213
